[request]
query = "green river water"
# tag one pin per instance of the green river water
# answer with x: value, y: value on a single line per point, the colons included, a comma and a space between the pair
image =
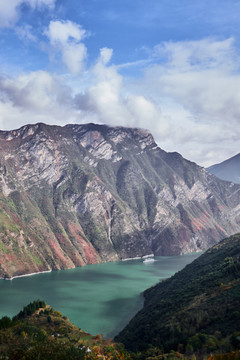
x: 100, y: 299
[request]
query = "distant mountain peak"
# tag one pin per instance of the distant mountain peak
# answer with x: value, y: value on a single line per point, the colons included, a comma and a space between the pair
x: 228, y: 170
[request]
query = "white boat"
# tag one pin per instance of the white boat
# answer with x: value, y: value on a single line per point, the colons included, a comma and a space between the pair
x: 148, y: 260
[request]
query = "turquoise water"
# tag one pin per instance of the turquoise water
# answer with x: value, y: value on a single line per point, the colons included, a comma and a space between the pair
x: 100, y: 299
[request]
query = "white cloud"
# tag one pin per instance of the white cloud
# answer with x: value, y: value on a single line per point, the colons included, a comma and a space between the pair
x: 108, y: 100
x: 146, y: 114
x: 20, y: 90
x: 197, y: 84
x: 105, y: 55
x: 66, y: 37
x: 35, y: 97
x: 73, y: 55
x: 64, y: 31
x: 10, y: 10
x: 208, y: 53
x: 189, y: 98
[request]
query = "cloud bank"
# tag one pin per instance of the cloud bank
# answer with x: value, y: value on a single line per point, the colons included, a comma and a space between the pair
x: 187, y: 94
x: 202, y: 80
x: 66, y: 37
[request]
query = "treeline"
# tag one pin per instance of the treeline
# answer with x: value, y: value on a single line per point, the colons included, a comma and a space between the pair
x: 39, y: 332
x: 30, y: 309
x: 6, y: 322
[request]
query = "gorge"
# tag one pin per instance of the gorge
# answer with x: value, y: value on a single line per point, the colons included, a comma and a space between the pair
x: 84, y: 194
x: 99, y: 298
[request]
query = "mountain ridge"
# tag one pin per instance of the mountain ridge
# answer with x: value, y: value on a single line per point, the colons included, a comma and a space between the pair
x: 83, y: 194
x: 228, y: 170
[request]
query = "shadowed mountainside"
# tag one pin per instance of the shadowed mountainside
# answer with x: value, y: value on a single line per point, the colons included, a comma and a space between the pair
x: 228, y: 170
x: 196, y: 310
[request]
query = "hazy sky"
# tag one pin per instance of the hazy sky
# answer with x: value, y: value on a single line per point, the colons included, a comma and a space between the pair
x: 171, y: 66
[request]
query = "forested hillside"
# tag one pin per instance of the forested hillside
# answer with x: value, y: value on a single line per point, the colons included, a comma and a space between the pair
x: 39, y: 332
x: 195, y: 311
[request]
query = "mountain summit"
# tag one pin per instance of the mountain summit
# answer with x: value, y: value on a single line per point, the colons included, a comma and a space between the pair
x: 83, y: 194
x: 227, y: 170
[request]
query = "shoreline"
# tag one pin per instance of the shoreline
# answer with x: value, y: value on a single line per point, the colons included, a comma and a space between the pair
x: 135, y: 258
x: 138, y: 257
x: 31, y: 274
x: 147, y: 256
x: 127, y: 259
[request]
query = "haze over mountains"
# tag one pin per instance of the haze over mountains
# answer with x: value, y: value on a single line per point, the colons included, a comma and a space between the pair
x: 83, y: 194
x: 227, y: 170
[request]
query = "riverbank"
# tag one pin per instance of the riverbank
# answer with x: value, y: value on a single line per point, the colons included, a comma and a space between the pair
x: 25, y: 275
x: 138, y: 257
x: 99, y: 298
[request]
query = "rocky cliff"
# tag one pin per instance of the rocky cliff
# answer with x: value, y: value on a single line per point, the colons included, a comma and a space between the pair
x: 83, y: 194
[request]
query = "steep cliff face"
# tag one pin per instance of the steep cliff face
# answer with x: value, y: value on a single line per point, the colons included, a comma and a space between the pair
x: 83, y: 194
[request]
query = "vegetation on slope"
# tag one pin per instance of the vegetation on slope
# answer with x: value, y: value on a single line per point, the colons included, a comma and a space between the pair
x: 196, y: 311
x: 40, y: 333
x: 193, y: 315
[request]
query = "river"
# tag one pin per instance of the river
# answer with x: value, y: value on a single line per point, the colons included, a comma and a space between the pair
x: 100, y: 299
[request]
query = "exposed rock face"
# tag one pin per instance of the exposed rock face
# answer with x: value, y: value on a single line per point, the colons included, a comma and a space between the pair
x: 83, y: 194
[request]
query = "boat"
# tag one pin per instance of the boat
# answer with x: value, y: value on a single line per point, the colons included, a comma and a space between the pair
x: 148, y: 260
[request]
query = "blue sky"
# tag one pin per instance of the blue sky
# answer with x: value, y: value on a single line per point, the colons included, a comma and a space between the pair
x: 171, y: 66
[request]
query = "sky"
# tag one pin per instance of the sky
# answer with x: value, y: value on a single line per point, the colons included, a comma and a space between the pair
x: 169, y: 66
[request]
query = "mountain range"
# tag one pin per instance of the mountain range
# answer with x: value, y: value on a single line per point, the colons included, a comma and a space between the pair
x: 83, y: 194
x: 228, y: 170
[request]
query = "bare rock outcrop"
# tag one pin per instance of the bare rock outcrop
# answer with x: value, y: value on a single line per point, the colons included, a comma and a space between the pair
x: 82, y: 194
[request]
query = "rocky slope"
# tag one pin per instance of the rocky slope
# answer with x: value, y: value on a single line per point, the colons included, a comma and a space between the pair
x: 228, y: 170
x: 83, y: 194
